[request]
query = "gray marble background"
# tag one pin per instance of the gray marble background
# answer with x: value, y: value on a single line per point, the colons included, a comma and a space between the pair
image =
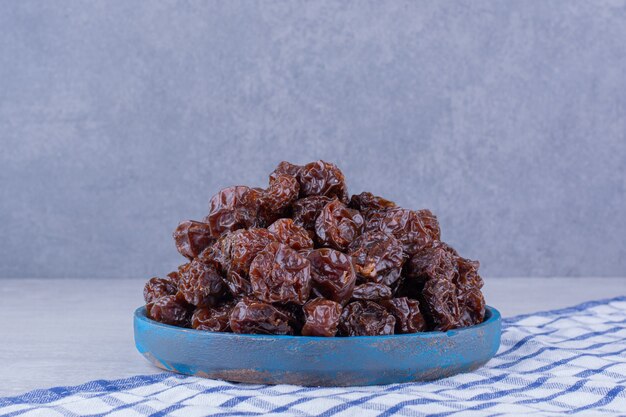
x: 120, y: 118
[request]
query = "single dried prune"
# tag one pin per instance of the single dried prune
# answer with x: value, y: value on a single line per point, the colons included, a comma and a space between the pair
x: 192, y: 237
x: 338, y: 226
x: 432, y: 262
x: 157, y: 288
x: 295, y: 314
x: 322, y: 317
x: 169, y: 310
x: 367, y: 202
x: 174, y: 277
x: 371, y: 291
x: 405, y: 225
x: 430, y: 222
x: 442, y: 307
x: 378, y: 257
x: 199, y: 284
x: 276, y: 200
x: 289, y: 233
x: 285, y: 168
x: 306, y: 210
x: 470, y: 298
x: 233, y: 208
x: 237, y: 249
x: 253, y: 316
x: 322, y: 178
x: 332, y: 274
x: 279, y: 274
x: 409, y: 319
x: 366, y: 318
x: 213, y: 319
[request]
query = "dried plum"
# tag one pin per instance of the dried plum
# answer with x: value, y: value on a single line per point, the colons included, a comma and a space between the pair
x: 192, y: 237
x: 212, y: 319
x: 199, y: 284
x: 405, y: 225
x: 409, y: 319
x: 337, y: 226
x: 332, y: 274
x: 169, y: 310
x: 253, y: 316
x: 279, y: 274
x: 368, y: 203
x: 289, y: 233
x: 322, y: 178
x: 233, y: 208
x: 306, y: 210
x: 322, y: 317
x: 378, y: 257
x: 371, y: 291
x: 366, y: 318
x: 157, y: 288
x: 277, y: 199
x: 285, y: 168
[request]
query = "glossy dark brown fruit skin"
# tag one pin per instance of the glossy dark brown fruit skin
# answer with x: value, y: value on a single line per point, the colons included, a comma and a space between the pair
x: 277, y: 199
x: 378, y: 257
x: 279, y: 274
x: 337, y: 226
x: 366, y: 318
x: 289, y: 233
x: 256, y: 317
x: 285, y: 168
x: 213, y: 319
x: 234, y: 252
x: 371, y: 291
x: 332, y: 274
x: 306, y: 210
x: 322, y: 317
x: 322, y: 178
x: 405, y: 225
x: 169, y: 310
x: 192, y: 237
x: 407, y: 313
x: 233, y: 208
x: 199, y: 284
x: 158, y: 287
x: 468, y: 289
x: 368, y: 203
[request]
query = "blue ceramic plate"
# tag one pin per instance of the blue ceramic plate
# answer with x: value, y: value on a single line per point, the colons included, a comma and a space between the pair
x: 318, y: 361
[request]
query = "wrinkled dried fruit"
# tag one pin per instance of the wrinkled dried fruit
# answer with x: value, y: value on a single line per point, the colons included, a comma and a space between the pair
x: 169, y: 310
x: 409, y: 319
x: 378, y: 257
x: 277, y: 199
x: 337, y: 226
x: 371, y: 291
x: 289, y: 233
x: 233, y: 208
x: 192, y: 237
x: 366, y: 318
x: 322, y: 317
x: 237, y: 249
x: 158, y: 287
x: 199, y: 284
x: 285, y: 168
x: 252, y: 316
x: 306, y: 210
x: 367, y: 203
x: 332, y: 274
x: 279, y: 274
x: 321, y: 250
x: 405, y: 225
x: 322, y: 178
x: 212, y: 319
x: 470, y: 298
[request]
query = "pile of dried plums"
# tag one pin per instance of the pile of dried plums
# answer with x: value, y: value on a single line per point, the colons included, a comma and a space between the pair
x: 302, y: 257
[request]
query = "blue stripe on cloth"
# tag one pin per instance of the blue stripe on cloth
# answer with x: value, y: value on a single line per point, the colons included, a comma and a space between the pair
x: 565, y: 361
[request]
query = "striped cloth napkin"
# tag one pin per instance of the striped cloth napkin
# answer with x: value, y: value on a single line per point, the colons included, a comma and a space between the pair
x: 569, y: 361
